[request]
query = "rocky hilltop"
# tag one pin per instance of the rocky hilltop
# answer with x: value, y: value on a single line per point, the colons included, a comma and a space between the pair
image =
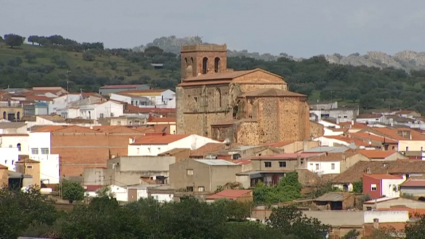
x: 406, y: 60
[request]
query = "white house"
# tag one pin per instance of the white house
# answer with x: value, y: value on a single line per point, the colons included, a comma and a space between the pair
x: 96, y: 110
x: 154, y: 144
x: 19, y: 141
x: 370, y: 118
x: 9, y: 157
x: 61, y: 102
x: 147, y: 98
x: 120, y: 193
x: 39, y: 150
x: 316, y: 165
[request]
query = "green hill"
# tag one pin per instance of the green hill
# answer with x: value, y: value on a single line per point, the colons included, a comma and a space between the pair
x: 53, y: 60
x: 34, y: 65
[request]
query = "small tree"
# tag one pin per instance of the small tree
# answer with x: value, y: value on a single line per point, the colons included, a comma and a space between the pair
x: 105, y: 192
x: 88, y: 56
x: 72, y: 191
x: 358, y: 186
x: 13, y: 40
x: 352, y: 234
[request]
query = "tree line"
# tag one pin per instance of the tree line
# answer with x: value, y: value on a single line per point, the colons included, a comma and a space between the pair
x: 32, y: 214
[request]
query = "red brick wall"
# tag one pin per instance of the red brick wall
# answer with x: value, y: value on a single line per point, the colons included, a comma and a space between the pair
x: 80, y: 150
x: 367, y: 182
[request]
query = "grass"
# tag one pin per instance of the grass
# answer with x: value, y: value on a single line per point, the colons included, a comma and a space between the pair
x: 74, y: 60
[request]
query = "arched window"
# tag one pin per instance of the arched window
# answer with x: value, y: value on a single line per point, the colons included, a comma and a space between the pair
x: 204, y: 65
x: 18, y: 115
x: 216, y: 64
x: 19, y: 146
x: 4, y: 114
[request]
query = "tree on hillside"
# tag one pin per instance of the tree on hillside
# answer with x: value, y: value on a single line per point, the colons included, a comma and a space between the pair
x: 153, y: 50
x: 291, y: 221
x: 72, y: 191
x: 13, y: 40
x: 30, y: 56
x: 88, y: 56
x: 33, y: 39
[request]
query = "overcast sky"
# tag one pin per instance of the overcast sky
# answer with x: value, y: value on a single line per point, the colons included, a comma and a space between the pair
x: 301, y: 28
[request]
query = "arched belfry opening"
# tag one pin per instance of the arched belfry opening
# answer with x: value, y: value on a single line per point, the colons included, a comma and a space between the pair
x: 216, y: 64
x: 204, y: 65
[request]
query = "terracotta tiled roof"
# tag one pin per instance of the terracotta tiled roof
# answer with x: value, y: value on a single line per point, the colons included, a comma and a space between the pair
x: 412, y: 211
x: 27, y: 160
x: 3, y: 167
x: 414, y: 183
x: 398, y: 226
x: 164, y: 119
x: 159, y: 139
x: 333, y: 157
x: 219, y: 76
x: 207, y: 148
x: 367, y: 136
x: 392, y: 133
x: 119, y: 86
x: 39, y: 97
x: 272, y: 92
x: 355, y: 172
x: 229, y: 193
x: 383, y: 176
x: 242, y: 161
x: 377, y: 154
x: 53, y: 118
x: 173, y: 151
x: 92, y: 188
x: 348, y: 140
x: 49, y: 128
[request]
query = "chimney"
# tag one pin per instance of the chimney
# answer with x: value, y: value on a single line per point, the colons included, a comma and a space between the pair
x: 376, y: 223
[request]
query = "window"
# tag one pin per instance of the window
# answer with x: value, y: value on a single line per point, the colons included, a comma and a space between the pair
x: 19, y: 146
x: 332, y: 166
x: 189, y: 171
x: 373, y: 187
x: 44, y: 150
x: 204, y: 65
x: 29, y: 166
x: 112, y: 114
x: 407, y: 148
x: 5, y: 161
x: 34, y: 151
x: 101, y: 115
x: 267, y: 164
x: 189, y: 189
x: 317, y: 166
x: 345, y: 116
x: 282, y: 164
x: 13, y: 162
x: 118, y: 122
x: 216, y: 64
x: 201, y: 189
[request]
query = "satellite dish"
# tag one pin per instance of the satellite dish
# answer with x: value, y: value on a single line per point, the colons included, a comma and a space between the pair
x: 227, y: 142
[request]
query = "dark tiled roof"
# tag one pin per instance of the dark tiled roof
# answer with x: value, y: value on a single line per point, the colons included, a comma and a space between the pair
x: 356, y: 172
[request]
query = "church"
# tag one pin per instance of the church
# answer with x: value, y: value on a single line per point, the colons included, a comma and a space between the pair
x: 249, y: 107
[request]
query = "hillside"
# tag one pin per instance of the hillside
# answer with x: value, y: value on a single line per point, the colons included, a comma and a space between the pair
x: 34, y: 65
x: 88, y: 66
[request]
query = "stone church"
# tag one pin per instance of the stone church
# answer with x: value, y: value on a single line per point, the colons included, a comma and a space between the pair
x: 248, y: 107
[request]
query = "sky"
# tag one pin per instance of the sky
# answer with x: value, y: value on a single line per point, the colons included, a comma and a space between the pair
x: 301, y: 28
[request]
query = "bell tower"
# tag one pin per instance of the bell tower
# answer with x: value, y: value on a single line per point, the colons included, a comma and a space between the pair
x: 203, y: 59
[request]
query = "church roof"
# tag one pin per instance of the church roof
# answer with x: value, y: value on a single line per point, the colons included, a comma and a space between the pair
x: 272, y: 92
x: 221, y: 77
x: 218, y: 76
